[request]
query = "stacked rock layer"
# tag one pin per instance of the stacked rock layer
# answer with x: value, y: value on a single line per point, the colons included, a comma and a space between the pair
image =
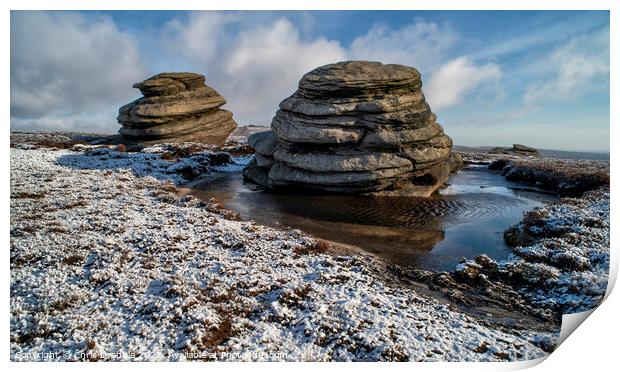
x: 176, y: 107
x: 354, y: 127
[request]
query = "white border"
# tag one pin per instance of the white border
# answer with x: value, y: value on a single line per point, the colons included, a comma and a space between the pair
x: 592, y: 347
x: 312, y: 5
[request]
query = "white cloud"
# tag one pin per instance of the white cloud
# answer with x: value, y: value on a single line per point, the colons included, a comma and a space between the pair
x: 202, y: 36
x: 63, y: 65
x: 420, y: 44
x: 426, y: 45
x: 579, y: 67
x: 253, y: 67
x: 450, y: 83
x: 73, y: 71
x: 256, y: 66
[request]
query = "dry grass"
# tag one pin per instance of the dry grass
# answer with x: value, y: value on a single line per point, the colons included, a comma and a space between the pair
x: 20, y: 261
x: 236, y: 149
x: 219, y: 334
x: 73, y: 259
x: 185, y: 151
x: 175, y: 151
x: 168, y: 155
x: 169, y: 186
x: 215, y: 206
x: 57, y: 229
x: 22, y: 230
x: 27, y: 195
x: 64, y: 303
x: 77, y: 203
x: 567, y: 177
x: 523, y: 235
x: 535, y: 217
x: 319, y: 246
x: 482, y: 348
x: 295, y: 298
x: 58, y: 144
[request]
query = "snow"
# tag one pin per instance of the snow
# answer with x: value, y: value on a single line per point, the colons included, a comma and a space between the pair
x: 108, y: 262
x: 570, y: 258
x: 561, y: 257
x: 149, y: 162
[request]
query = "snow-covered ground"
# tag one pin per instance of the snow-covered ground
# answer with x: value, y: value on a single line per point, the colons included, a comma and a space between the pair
x: 108, y: 262
x: 561, y: 260
x: 561, y: 250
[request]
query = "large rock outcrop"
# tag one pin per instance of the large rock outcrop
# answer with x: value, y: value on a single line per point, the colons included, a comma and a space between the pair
x: 176, y: 107
x: 354, y: 127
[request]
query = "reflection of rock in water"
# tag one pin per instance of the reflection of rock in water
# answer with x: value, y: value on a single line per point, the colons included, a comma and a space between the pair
x: 404, y: 244
x: 402, y: 230
x: 397, y: 228
x: 352, y: 220
x: 364, y: 210
x: 402, y: 212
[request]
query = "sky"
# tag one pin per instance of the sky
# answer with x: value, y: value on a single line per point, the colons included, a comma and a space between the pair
x: 493, y: 78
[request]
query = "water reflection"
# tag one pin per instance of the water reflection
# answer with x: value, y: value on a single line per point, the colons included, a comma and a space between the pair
x: 465, y: 219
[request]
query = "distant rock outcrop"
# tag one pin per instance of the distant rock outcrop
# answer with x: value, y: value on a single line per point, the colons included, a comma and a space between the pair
x: 516, y: 149
x: 354, y: 127
x: 176, y: 107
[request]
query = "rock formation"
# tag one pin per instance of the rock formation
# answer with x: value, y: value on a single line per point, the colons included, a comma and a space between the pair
x: 516, y: 149
x: 176, y: 107
x: 354, y: 127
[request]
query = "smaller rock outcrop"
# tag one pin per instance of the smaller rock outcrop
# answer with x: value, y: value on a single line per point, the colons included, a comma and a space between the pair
x: 455, y: 162
x: 176, y: 107
x: 516, y: 149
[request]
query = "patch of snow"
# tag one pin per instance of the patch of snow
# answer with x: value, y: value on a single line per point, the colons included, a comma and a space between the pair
x: 571, y: 255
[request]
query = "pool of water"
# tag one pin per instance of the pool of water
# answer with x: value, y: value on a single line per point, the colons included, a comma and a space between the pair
x: 462, y: 220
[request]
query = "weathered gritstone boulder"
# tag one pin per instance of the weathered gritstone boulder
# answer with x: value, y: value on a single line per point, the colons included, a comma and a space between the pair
x: 354, y: 127
x: 517, y: 150
x: 176, y: 107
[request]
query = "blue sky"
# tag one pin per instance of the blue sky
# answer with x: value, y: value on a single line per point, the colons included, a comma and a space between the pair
x: 494, y: 78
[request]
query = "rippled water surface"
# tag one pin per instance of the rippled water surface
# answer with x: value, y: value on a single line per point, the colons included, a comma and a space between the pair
x: 464, y: 219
